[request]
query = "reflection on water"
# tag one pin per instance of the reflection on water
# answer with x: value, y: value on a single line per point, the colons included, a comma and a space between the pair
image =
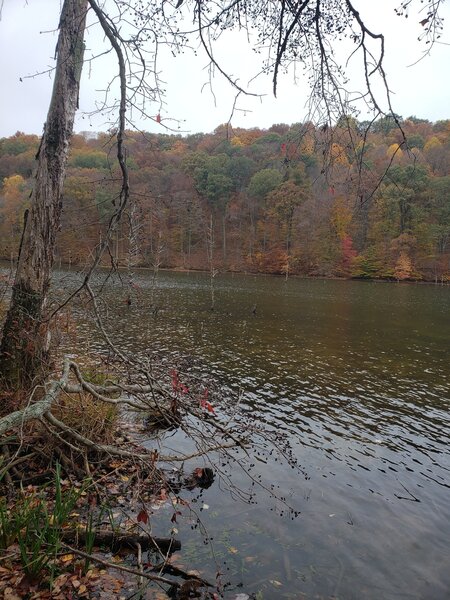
x: 358, y: 375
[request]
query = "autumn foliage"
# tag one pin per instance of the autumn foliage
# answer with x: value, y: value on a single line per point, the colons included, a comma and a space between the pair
x: 302, y: 199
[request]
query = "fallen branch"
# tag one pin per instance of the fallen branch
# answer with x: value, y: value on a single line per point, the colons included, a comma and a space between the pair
x: 102, y: 448
x: 36, y: 410
x: 117, y: 540
x: 113, y: 451
x: 78, y: 443
x: 39, y: 408
x: 109, y: 565
x: 15, y: 462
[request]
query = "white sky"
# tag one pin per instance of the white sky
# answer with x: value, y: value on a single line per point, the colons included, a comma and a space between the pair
x: 422, y: 90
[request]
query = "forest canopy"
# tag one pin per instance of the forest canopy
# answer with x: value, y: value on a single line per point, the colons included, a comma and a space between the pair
x: 370, y: 205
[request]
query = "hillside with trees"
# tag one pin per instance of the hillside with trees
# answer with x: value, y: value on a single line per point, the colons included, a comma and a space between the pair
x: 358, y: 200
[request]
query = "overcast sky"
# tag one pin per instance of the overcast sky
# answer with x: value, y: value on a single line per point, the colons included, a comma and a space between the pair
x: 27, y: 46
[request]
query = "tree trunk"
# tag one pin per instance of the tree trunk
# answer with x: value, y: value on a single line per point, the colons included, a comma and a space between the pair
x: 24, y: 350
x: 224, y: 238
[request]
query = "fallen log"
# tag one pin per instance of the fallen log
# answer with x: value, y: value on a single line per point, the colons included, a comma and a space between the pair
x: 117, y: 540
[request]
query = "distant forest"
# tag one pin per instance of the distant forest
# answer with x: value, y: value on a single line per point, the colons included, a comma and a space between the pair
x: 355, y: 200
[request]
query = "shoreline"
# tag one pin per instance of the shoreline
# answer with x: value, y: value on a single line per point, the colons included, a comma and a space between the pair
x: 6, y: 264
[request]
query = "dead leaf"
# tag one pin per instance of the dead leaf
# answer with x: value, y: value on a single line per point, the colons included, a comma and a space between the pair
x: 67, y: 558
x: 10, y: 594
x: 142, y: 517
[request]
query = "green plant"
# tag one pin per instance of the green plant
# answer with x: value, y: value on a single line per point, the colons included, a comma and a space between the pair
x: 36, y: 529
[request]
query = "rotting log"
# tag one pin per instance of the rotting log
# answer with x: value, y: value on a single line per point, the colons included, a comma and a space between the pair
x: 119, y: 540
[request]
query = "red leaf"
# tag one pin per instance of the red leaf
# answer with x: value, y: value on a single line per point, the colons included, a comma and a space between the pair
x: 198, y: 472
x: 175, y: 380
x: 203, y: 399
x: 142, y: 516
x: 158, y: 118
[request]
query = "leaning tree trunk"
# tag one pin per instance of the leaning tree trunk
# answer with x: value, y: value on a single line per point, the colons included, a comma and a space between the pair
x: 24, y: 350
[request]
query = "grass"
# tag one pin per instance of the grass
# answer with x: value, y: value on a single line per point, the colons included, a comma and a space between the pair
x: 35, y: 526
x: 89, y: 416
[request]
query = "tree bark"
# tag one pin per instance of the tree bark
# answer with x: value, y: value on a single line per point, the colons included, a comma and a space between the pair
x: 24, y: 350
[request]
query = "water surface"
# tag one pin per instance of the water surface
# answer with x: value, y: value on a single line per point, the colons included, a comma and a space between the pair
x: 357, y: 375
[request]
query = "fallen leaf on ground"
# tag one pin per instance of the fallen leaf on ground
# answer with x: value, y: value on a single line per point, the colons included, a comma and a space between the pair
x: 10, y: 594
x: 67, y: 558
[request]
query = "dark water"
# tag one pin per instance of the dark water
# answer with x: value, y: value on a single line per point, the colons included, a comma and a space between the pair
x: 357, y: 375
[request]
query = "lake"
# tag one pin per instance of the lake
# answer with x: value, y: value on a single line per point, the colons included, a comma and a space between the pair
x: 356, y: 375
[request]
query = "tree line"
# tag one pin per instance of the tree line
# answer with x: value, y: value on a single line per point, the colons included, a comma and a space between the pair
x: 360, y: 199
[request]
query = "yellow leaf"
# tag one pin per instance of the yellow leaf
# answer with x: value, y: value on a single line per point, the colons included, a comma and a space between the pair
x: 82, y: 589
x: 233, y: 550
x: 275, y: 582
x: 67, y: 558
